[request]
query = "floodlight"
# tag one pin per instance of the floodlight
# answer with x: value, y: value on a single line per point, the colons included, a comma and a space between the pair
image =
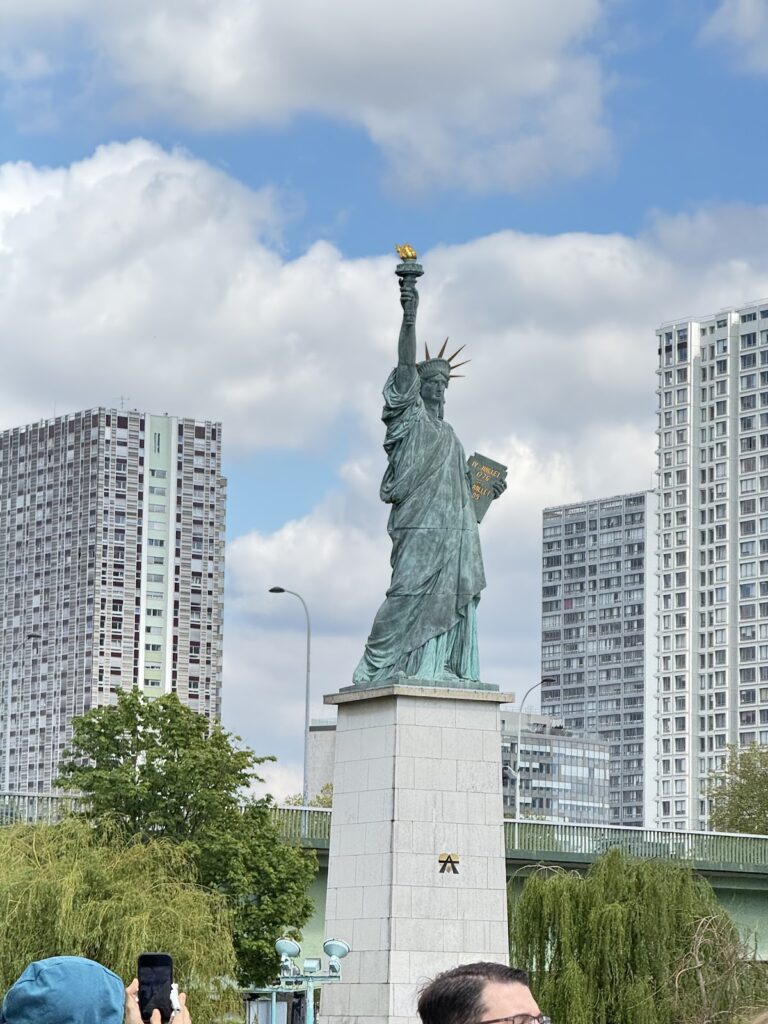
x: 311, y: 965
x: 336, y: 947
x: 287, y: 947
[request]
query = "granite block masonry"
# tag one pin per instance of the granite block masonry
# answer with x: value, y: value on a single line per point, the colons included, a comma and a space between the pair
x: 416, y: 874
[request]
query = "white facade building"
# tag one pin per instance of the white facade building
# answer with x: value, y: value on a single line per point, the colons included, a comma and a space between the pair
x: 111, y: 574
x: 597, y: 641
x: 712, y: 684
x: 563, y: 774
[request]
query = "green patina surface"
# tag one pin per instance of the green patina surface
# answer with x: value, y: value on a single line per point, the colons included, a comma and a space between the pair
x: 426, y: 628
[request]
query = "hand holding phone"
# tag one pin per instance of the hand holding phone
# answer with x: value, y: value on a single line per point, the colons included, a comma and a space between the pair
x: 133, y: 1013
x: 156, y: 987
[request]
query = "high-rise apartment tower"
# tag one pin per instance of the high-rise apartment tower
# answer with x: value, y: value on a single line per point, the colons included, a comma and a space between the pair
x: 111, y: 574
x: 596, y: 645
x: 713, y: 554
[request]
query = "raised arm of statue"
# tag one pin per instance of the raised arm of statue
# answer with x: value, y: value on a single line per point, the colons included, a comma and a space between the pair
x: 406, y: 349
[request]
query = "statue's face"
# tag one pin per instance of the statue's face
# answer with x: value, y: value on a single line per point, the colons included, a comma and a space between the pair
x: 433, y: 394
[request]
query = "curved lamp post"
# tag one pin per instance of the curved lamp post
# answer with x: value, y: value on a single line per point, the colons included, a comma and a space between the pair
x: 305, y: 787
x: 8, y: 685
x: 545, y: 679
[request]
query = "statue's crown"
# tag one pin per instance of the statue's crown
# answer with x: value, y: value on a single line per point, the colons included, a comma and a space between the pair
x: 432, y: 366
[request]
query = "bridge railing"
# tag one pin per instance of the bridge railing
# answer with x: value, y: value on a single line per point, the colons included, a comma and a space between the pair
x: 524, y: 839
x: 36, y: 808
x: 307, y: 824
x: 589, y: 841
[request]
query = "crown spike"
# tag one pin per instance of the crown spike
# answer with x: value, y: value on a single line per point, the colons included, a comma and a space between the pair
x: 456, y: 375
x: 456, y: 352
x: 463, y: 363
x: 426, y: 351
x: 442, y: 350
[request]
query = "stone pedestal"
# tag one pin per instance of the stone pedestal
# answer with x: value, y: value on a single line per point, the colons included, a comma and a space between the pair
x: 417, y: 777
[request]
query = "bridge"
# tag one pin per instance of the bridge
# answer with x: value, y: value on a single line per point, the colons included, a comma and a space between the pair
x: 735, y: 865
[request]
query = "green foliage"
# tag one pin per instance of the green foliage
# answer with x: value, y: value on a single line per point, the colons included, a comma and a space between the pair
x: 323, y: 799
x: 64, y: 890
x: 156, y: 769
x: 631, y: 942
x: 739, y: 795
x: 269, y: 879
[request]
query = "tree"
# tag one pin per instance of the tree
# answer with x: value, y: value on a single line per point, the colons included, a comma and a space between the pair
x: 322, y: 799
x: 66, y: 890
x: 156, y: 769
x: 632, y: 942
x: 739, y: 795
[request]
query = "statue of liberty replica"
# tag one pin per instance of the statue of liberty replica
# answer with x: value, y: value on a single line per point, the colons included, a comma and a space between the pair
x: 426, y: 629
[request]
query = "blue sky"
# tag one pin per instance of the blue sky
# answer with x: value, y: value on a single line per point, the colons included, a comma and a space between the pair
x: 213, y: 190
x: 675, y: 103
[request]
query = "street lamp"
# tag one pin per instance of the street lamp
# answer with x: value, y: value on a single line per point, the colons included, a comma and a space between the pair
x: 9, y: 684
x: 545, y: 679
x: 305, y: 789
x: 308, y: 975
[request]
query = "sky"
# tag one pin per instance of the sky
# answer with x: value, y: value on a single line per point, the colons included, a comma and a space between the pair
x: 199, y: 202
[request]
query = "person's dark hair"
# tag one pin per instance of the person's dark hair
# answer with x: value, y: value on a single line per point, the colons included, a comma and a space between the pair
x: 456, y: 996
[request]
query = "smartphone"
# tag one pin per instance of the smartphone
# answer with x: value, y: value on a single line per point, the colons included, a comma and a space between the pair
x: 155, y: 974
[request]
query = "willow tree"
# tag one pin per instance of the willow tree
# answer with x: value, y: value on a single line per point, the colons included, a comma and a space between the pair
x: 66, y: 890
x: 632, y: 942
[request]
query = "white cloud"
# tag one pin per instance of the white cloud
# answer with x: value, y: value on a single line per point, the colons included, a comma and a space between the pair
x: 743, y: 24
x: 319, y: 549
x: 281, y: 780
x: 146, y: 272
x: 496, y: 96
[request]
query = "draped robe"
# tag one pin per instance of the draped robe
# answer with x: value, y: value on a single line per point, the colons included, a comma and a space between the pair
x: 426, y: 627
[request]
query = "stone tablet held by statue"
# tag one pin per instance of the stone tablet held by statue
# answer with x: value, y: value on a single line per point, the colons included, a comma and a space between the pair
x: 483, y: 472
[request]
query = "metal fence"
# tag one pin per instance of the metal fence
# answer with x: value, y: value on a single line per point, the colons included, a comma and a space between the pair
x: 549, y: 839
x: 310, y: 825
x: 36, y: 808
x: 524, y: 839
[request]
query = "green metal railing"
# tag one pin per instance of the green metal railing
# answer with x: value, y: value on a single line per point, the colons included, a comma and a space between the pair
x: 549, y: 840
x: 310, y: 825
x: 36, y: 808
x: 525, y: 840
